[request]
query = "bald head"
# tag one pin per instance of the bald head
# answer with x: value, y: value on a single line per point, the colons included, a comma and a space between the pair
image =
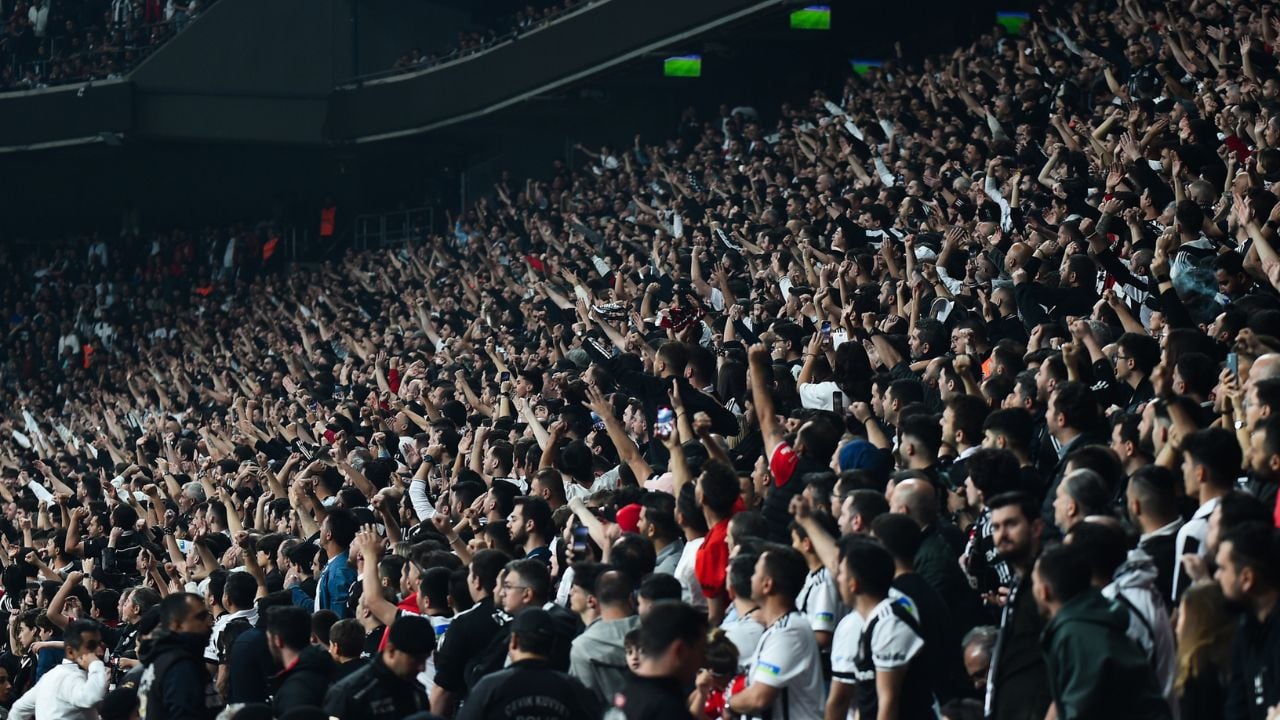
x: 917, y: 499
x: 1265, y: 367
x: 1017, y: 256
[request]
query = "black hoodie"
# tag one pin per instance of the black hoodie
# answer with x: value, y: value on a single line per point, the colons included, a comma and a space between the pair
x: 304, y: 683
x: 175, y: 684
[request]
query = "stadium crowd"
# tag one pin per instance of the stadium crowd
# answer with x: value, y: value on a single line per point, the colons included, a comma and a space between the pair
x: 469, y: 42
x: 56, y: 42
x: 954, y: 393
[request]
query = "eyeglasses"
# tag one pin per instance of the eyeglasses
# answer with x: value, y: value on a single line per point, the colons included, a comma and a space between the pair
x: 507, y: 586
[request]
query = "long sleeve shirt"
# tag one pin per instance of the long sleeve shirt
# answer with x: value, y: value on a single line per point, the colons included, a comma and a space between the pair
x: 67, y: 691
x: 334, y: 585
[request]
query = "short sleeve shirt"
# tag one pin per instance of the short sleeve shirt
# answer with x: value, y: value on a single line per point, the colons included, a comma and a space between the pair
x: 819, y: 601
x: 893, y: 642
x: 787, y: 658
x: 847, y: 640
x: 711, y: 564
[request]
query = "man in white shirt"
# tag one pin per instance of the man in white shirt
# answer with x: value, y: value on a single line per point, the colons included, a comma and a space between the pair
x: 238, y: 597
x: 785, y: 679
x: 877, y: 655
x: 818, y: 599
x: 1211, y: 459
x: 740, y: 624
x: 74, y: 689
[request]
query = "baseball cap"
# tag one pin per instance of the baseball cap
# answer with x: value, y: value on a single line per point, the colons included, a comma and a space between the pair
x: 535, y: 624
x: 629, y: 518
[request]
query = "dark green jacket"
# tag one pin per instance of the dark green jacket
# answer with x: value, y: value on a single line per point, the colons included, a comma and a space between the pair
x: 1095, y: 671
x: 938, y: 563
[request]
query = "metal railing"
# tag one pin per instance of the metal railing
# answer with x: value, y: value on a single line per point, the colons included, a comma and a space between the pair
x: 380, y: 230
x: 510, y: 32
x: 138, y: 40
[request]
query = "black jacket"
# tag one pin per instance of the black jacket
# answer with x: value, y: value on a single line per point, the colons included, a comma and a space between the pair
x: 1018, y: 682
x: 494, y: 657
x: 249, y: 668
x: 628, y: 371
x: 1255, y: 668
x: 469, y: 635
x: 175, y: 684
x: 303, y: 684
x: 1060, y: 470
x: 1039, y: 303
x: 655, y: 699
x: 376, y: 693
x: 340, y: 672
x: 532, y: 690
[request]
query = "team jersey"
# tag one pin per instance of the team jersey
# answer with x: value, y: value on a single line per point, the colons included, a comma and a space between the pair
x: 787, y: 658
x: 819, y: 600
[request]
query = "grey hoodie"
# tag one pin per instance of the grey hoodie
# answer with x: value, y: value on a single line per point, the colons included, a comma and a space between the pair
x: 1134, y: 587
x: 598, y: 658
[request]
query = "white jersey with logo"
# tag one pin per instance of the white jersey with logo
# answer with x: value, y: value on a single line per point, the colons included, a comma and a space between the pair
x: 787, y: 658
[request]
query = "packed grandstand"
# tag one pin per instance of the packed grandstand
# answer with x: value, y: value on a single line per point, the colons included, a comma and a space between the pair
x: 950, y: 391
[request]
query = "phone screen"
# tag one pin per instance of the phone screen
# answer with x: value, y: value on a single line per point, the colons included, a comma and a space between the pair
x: 837, y: 402
x: 580, y: 534
x: 666, y: 423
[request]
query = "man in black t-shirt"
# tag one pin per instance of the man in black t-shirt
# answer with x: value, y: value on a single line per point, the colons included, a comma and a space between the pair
x: 470, y: 632
x: 528, y: 687
x: 673, y: 642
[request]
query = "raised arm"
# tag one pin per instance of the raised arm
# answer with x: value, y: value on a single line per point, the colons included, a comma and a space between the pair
x: 762, y: 398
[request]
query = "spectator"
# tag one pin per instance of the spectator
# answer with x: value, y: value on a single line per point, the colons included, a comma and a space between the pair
x: 1072, y: 416
x: 786, y: 676
x: 1246, y: 562
x: 387, y: 686
x: 1205, y: 631
x: 597, y: 657
x: 819, y: 599
x: 76, y: 687
x: 978, y: 645
x: 1094, y: 670
x: 879, y: 648
x: 672, y: 645
x: 307, y: 668
x: 345, y: 642
x: 901, y: 537
x: 1211, y: 460
x: 528, y: 687
x: 1129, y: 579
x: 935, y: 560
x: 471, y: 632
x: 530, y: 528
x: 526, y: 584
x: 1018, y: 683
x: 175, y: 682
x: 740, y: 625
x: 1081, y: 493
x: 336, y: 533
x: 658, y: 523
x: 1152, y: 505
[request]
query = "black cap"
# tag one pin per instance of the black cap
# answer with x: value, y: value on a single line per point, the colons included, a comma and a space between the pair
x: 413, y: 634
x: 535, y: 625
